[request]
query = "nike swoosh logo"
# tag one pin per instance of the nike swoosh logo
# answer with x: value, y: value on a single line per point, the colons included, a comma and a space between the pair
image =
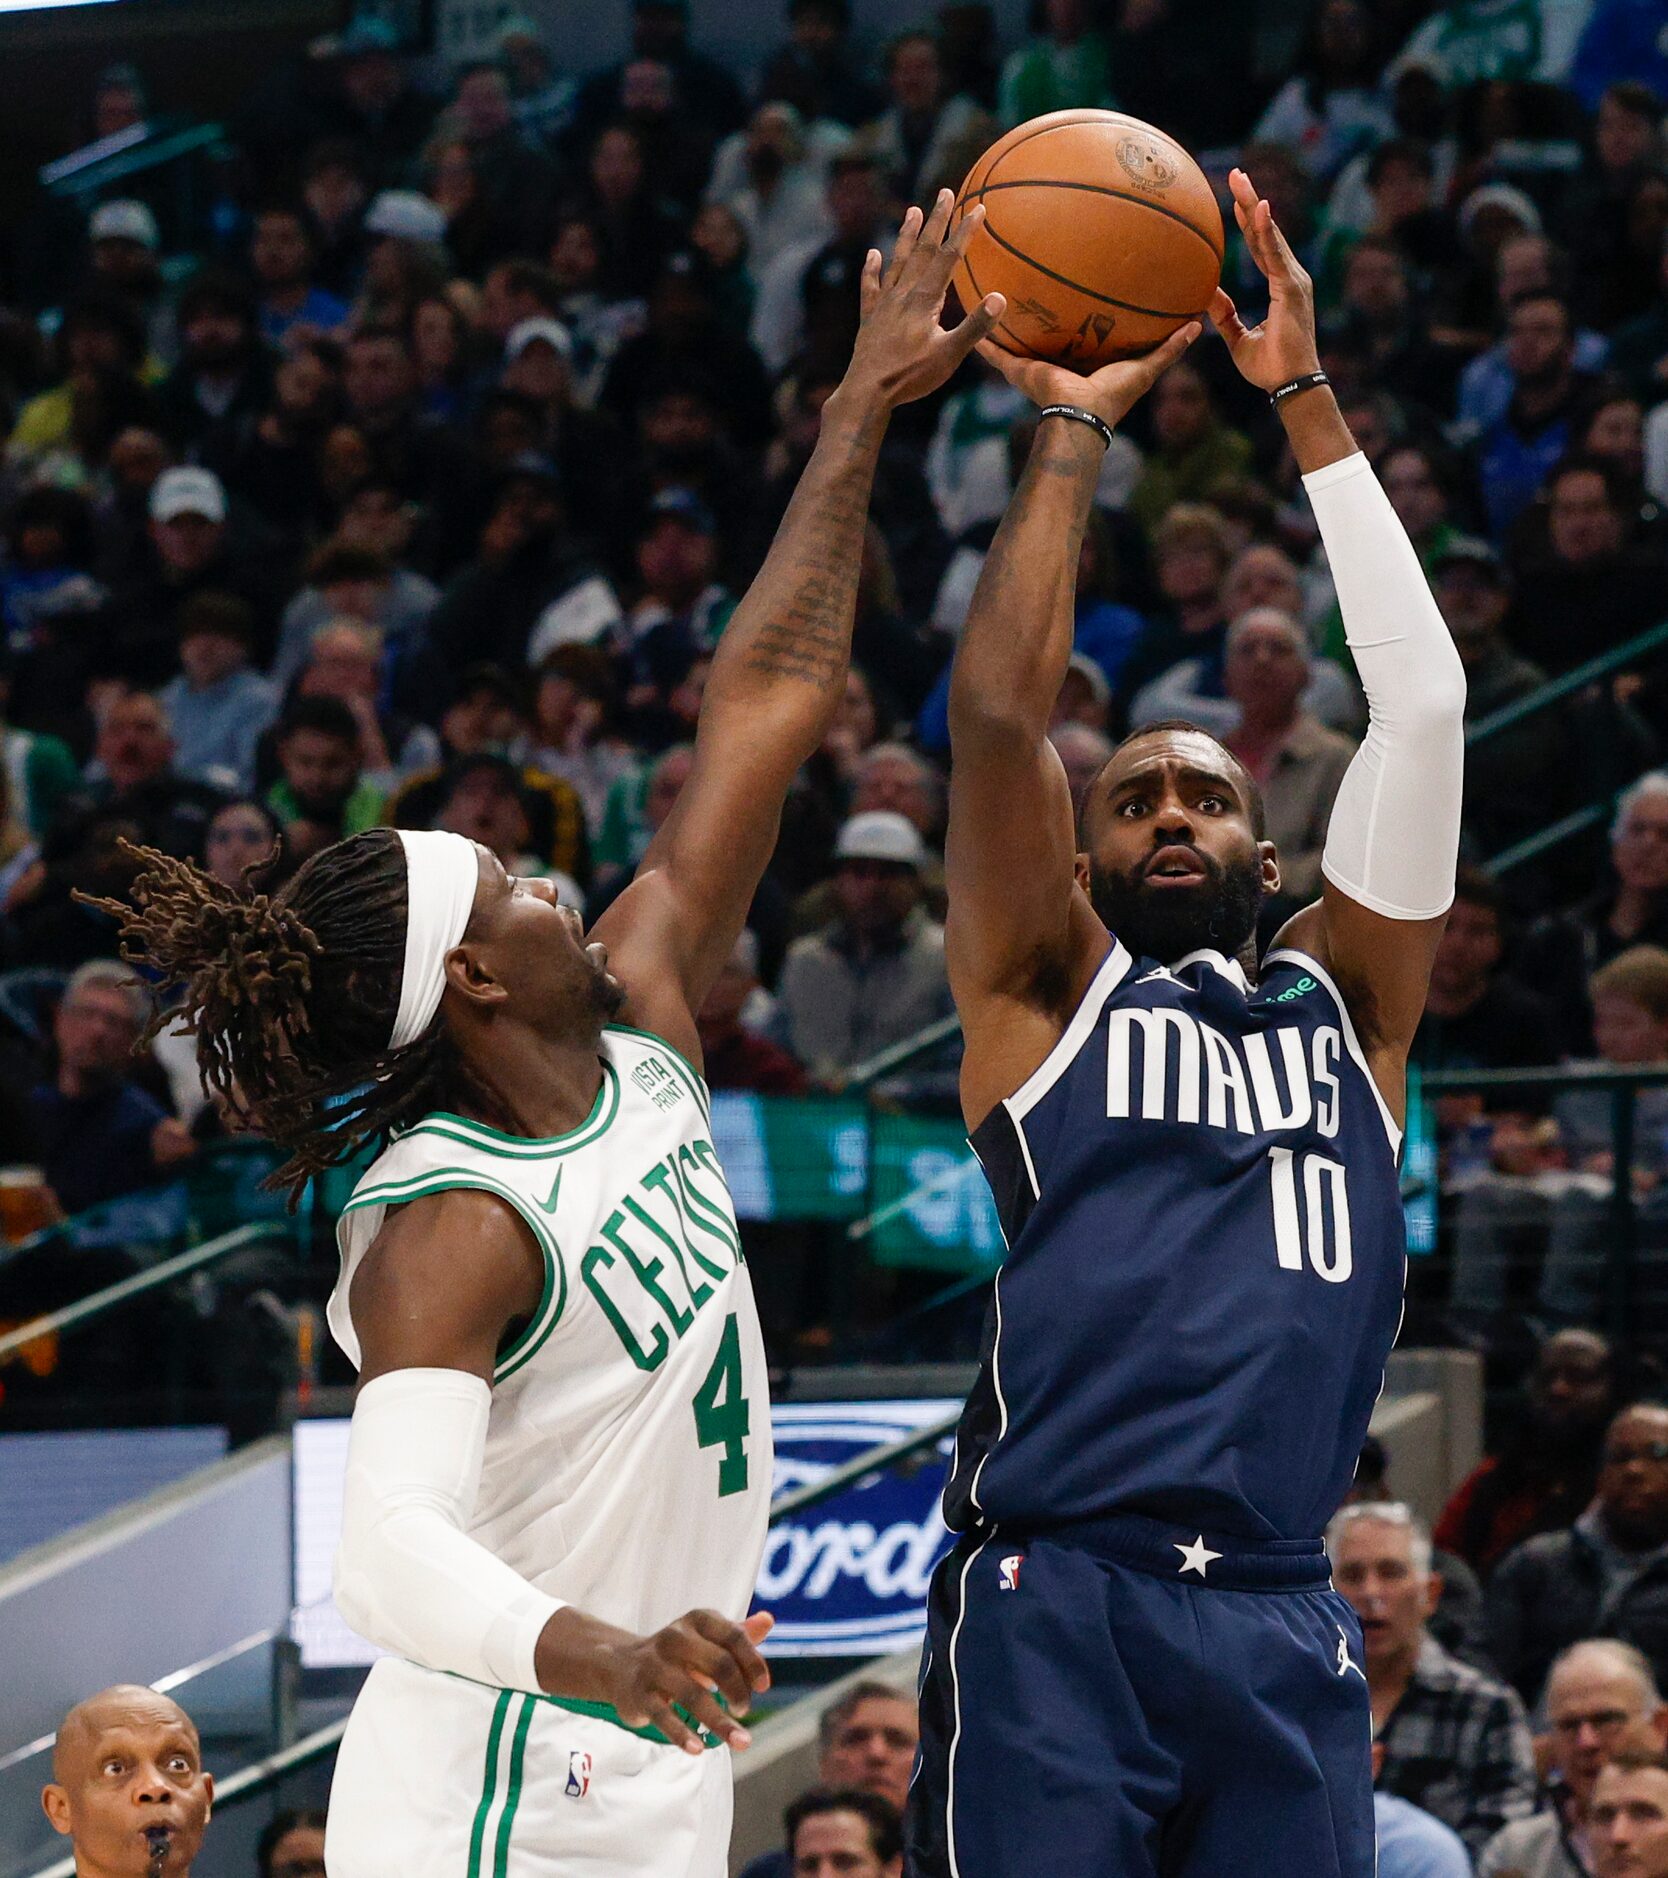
x: 549, y: 1205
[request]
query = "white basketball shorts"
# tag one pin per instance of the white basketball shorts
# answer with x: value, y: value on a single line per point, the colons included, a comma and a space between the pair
x: 442, y: 1778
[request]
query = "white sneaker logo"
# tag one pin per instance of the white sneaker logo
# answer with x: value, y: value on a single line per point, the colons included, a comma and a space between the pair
x: 1346, y: 1662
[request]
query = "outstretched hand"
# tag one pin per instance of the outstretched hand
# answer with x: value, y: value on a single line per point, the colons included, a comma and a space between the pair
x: 902, y: 350
x: 1283, y: 346
x: 1110, y: 393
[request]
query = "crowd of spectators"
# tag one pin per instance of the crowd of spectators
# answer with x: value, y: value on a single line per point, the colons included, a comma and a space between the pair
x: 418, y: 484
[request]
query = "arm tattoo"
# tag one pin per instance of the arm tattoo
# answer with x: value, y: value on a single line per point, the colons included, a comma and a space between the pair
x: 809, y: 639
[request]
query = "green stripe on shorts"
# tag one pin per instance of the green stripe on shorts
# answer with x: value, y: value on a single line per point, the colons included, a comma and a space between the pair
x: 512, y: 1799
x: 489, y: 1783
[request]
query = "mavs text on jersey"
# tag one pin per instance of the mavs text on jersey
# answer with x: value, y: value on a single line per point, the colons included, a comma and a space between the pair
x: 1206, y: 1257
x: 1136, y: 1663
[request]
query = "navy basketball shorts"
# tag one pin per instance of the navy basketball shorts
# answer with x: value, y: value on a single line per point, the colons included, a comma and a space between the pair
x: 1125, y: 1700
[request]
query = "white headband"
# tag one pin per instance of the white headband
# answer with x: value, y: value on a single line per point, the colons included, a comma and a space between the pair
x: 442, y: 872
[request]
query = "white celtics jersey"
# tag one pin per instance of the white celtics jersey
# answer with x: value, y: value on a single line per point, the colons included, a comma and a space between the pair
x: 628, y: 1451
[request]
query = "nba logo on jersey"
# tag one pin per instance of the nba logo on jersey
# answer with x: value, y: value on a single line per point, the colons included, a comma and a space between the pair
x: 579, y: 1774
x: 1009, y: 1568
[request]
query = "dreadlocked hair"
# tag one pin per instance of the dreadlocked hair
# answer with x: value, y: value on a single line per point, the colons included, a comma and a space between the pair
x: 291, y: 997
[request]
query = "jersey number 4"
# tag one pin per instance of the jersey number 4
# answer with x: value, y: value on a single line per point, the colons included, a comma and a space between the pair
x: 721, y: 1412
x: 1330, y: 1253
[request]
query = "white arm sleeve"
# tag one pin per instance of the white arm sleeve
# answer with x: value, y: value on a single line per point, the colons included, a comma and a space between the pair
x: 408, y: 1577
x: 1393, y: 841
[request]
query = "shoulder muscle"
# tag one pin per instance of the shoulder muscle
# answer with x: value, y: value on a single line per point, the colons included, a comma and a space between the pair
x: 442, y: 1281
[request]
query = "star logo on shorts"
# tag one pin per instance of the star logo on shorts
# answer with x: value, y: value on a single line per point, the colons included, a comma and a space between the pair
x: 1196, y: 1557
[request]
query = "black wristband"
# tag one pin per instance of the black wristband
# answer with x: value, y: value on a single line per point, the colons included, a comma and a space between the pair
x: 1293, y: 386
x: 1078, y: 415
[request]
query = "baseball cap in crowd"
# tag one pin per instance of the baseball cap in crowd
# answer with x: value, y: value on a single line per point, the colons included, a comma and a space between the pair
x: 405, y: 215
x: 366, y: 33
x: 538, y: 331
x: 124, y: 220
x: 517, y: 29
x: 529, y: 466
x: 683, y: 505
x: 1091, y: 674
x: 880, y: 835
x: 187, y: 491
x: 1469, y: 551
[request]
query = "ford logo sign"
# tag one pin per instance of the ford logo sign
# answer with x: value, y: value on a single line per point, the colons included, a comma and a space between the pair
x: 850, y: 1577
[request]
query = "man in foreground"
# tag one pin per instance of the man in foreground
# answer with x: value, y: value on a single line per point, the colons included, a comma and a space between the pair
x: 1452, y: 1740
x: 128, y: 1789
x: 1599, y: 1694
x: 1630, y: 1813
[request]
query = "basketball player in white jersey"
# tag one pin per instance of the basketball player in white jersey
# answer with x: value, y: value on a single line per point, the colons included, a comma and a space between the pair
x: 559, y: 1469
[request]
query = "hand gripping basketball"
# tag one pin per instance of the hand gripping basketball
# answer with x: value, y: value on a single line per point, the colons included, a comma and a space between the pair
x: 1110, y: 393
x: 902, y: 350
x: 1283, y: 346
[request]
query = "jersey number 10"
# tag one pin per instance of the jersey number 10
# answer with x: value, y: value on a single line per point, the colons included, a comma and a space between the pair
x: 1322, y: 1178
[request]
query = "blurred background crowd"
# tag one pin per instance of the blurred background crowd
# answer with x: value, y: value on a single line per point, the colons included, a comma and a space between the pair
x: 409, y: 471
x: 415, y: 483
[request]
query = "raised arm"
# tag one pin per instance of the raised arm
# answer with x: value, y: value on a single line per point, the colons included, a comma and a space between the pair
x: 1021, y: 940
x: 780, y: 671
x: 1393, y: 841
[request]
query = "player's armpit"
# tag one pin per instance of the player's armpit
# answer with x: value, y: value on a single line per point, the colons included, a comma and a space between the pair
x: 1392, y: 840
x: 670, y: 932
x: 1009, y: 860
x: 1021, y: 941
x: 442, y: 1282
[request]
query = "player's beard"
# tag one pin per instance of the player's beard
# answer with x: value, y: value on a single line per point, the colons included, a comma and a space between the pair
x: 1166, y: 923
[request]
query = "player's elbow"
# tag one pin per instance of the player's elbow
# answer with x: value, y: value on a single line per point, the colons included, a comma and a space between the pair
x: 1431, y: 705
x: 1446, y: 690
x: 352, y: 1584
x: 982, y: 718
x: 360, y: 1576
x: 378, y: 1564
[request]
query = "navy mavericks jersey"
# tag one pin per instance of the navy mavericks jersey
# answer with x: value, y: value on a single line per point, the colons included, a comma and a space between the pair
x: 1206, y: 1259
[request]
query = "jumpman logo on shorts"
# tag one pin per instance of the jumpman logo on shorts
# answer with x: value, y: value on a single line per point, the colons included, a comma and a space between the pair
x: 1346, y: 1662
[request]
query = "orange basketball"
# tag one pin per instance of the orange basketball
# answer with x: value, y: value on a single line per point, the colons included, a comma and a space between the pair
x: 1101, y: 231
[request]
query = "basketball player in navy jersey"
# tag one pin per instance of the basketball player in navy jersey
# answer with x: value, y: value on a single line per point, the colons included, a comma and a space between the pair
x: 1136, y: 1665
